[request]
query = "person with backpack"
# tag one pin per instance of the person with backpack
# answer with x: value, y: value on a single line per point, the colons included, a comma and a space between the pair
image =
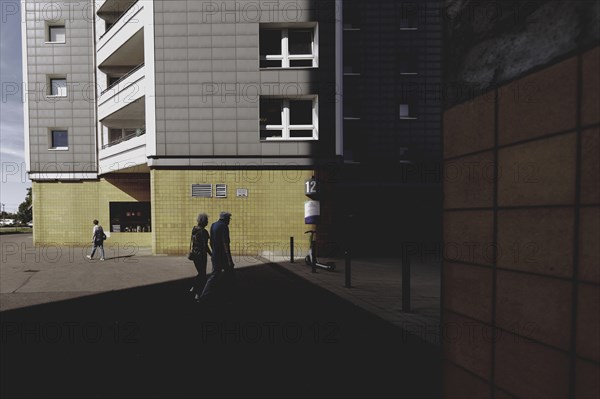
x: 98, y: 238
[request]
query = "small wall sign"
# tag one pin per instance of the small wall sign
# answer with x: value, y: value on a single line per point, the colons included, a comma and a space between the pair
x: 312, y: 211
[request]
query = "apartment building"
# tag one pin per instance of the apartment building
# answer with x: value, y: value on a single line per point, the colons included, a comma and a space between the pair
x: 142, y: 114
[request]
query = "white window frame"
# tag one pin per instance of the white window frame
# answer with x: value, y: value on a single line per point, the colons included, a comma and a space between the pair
x: 49, y: 27
x: 62, y: 91
x: 286, y: 127
x: 51, y: 146
x: 285, y: 57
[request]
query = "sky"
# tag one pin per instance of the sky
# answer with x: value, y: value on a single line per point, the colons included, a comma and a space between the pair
x: 13, y: 179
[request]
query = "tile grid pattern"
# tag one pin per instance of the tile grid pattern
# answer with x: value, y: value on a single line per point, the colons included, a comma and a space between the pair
x: 73, y: 60
x: 519, y: 229
x: 262, y: 222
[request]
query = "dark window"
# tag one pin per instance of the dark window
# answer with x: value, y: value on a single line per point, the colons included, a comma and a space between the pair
x: 352, y: 59
x: 301, y: 112
x: 301, y: 63
x: 59, y: 138
x: 301, y: 134
x: 115, y: 135
x: 407, y: 63
x: 56, y: 34
x: 270, y: 44
x: 58, y: 86
x: 408, y: 109
x: 408, y: 16
x: 297, y: 51
x: 300, y: 41
x: 355, y: 143
x: 270, y: 114
x: 351, y: 17
x: 128, y: 217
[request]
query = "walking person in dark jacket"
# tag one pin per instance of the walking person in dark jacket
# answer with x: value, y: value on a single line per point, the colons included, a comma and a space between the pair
x: 98, y: 238
x: 222, y: 261
x: 200, y: 249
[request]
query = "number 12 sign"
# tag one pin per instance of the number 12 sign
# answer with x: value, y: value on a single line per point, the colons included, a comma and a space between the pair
x: 310, y: 188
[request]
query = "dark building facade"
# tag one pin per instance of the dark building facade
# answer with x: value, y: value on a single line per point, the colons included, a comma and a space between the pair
x: 388, y: 170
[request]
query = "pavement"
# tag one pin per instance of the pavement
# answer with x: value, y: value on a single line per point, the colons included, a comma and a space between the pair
x: 128, y: 327
x: 376, y: 286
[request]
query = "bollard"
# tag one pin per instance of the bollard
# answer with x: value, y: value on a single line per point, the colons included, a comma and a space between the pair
x: 291, y: 249
x: 348, y: 269
x: 313, y: 258
x: 405, y: 280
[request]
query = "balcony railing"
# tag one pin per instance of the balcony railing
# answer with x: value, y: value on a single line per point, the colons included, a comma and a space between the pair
x: 118, y: 18
x: 116, y: 82
x: 138, y: 132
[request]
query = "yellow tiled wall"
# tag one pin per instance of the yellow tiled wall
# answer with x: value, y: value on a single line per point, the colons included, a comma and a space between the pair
x: 63, y: 211
x: 262, y: 222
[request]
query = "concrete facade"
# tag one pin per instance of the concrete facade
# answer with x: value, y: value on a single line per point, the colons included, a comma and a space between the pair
x: 180, y: 86
x: 185, y: 76
x: 72, y: 110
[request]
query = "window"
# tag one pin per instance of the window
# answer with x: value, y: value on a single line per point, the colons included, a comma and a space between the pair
x: 352, y: 59
x: 130, y: 217
x: 286, y: 48
x: 352, y: 107
x: 59, y: 139
x: 57, y: 87
x: 352, y: 18
x: 288, y: 119
x: 355, y: 142
x: 407, y: 64
x: 56, y: 34
x: 408, y: 110
x: 116, y: 136
x: 408, y: 17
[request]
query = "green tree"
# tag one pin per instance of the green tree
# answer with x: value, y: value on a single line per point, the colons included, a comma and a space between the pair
x: 25, y: 213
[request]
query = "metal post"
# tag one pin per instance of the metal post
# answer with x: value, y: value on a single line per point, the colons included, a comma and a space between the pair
x: 348, y: 269
x: 405, y: 279
x: 313, y: 251
x: 291, y: 249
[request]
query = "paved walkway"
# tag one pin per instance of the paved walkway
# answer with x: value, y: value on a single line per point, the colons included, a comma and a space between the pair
x: 34, y: 275
x: 377, y: 288
x: 127, y: 327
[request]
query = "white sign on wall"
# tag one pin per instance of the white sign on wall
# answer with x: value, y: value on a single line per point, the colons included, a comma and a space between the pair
x: 312, y: 211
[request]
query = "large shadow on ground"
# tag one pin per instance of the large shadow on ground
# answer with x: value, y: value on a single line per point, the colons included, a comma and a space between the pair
x: 277, y: 336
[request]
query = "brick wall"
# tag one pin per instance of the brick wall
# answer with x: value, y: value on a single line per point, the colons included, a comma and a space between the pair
x: 521, y: 278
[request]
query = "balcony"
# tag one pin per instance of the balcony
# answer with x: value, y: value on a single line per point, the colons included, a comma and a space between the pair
x: 123, y: 20
x: 123, y: 138
x: 122, y: 92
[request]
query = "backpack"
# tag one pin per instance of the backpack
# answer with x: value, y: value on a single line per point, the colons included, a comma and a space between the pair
x: 99, y: 234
